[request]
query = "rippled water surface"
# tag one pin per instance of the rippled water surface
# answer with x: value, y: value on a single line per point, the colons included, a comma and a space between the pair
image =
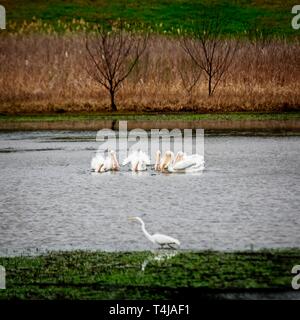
x: 247, y: 195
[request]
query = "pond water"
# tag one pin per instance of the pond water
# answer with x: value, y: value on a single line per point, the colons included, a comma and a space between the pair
x: 247, y: 196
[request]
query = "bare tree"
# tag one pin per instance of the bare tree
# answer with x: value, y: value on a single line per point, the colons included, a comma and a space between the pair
x: 113, y: 53
x: 210, y: 52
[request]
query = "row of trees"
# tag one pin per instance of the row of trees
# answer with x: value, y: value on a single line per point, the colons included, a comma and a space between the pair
x: 113, y: 53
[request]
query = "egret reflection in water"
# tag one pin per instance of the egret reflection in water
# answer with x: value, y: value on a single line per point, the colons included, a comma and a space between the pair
x: 159, y: 256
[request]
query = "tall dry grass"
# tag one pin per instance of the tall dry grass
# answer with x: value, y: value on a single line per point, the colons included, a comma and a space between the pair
x: 47, y: 73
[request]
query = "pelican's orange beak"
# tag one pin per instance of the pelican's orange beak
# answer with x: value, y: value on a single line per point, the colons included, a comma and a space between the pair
x: 165, y: 162
x: 116, y: 165
x: 157, y: 162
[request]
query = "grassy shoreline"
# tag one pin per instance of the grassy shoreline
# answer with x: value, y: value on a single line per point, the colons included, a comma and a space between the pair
x: 234, y: 123
x: 236, y: 116
x: 120, y: 275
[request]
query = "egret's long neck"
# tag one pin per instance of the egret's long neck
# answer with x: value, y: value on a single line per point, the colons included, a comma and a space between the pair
x: 147, y: 234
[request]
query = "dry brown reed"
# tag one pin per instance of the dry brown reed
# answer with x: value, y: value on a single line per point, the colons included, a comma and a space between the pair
x: 47, y: 73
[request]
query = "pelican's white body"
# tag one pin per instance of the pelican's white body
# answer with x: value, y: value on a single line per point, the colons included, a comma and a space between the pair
x: 138, y: 160
x: 192, y: 163
x: 181, y: 163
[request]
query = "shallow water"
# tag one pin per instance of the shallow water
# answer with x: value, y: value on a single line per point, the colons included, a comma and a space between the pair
x: 247, y: 196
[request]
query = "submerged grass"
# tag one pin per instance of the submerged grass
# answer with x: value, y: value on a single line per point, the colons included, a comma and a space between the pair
x: 119, y: 275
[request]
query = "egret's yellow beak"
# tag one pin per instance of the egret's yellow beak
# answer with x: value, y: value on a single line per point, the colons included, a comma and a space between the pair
x: 130, y: 218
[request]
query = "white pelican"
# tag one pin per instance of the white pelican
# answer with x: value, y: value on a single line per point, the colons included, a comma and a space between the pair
x: 185, y: 163
x: 138, y: 160
x: 166, y: 161
x: 162, y: 164
x: 110, y: 163
x: 157, y: 238
x: 181, y: 163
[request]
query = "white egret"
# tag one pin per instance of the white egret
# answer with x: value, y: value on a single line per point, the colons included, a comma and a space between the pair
x: 138, y: 160
x: 157, y: 238
x: 110, y: 163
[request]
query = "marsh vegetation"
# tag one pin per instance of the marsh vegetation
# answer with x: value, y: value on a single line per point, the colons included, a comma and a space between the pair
x: 47, y: 73
x: 113, y: 275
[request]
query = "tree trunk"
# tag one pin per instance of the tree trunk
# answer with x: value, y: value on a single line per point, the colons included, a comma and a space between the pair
x: 209, y: 85
x: 113, y: 106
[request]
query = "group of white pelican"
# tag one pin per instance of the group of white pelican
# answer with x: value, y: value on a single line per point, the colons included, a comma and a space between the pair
x: 139, y: 160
